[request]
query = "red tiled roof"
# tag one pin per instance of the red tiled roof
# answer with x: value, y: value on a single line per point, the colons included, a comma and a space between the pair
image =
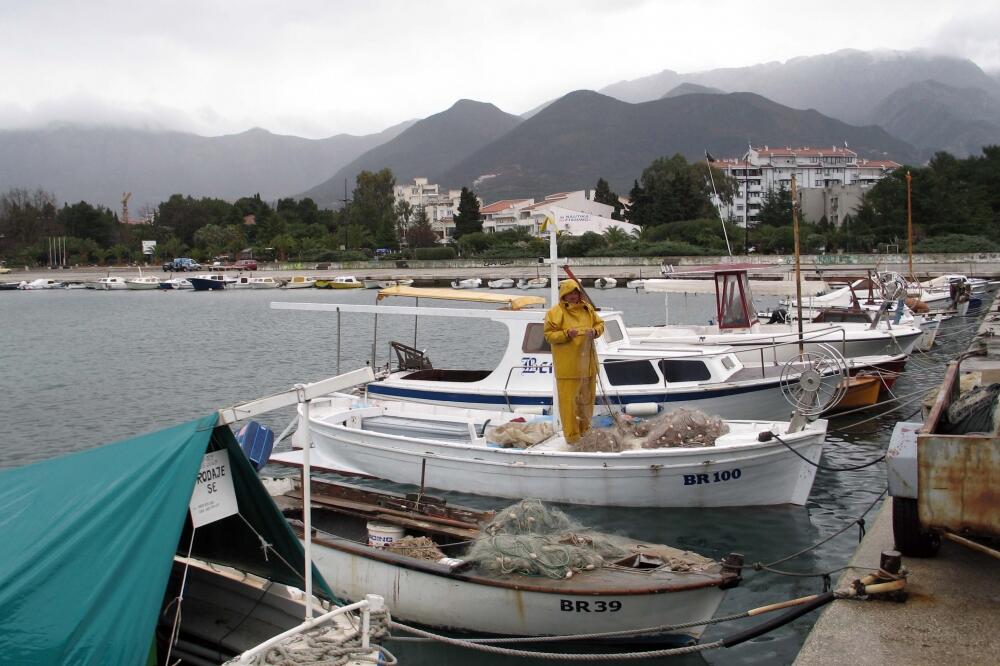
x: 881, y: 164
x: 501, y: 205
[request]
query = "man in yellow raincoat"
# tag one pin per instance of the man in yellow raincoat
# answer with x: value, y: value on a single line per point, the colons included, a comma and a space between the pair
x: 570, y: 328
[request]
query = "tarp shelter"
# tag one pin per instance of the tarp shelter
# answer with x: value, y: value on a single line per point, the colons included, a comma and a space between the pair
x: 89, y: 540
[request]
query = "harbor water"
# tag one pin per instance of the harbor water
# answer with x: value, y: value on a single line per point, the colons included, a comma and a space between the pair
x: 80, y: 368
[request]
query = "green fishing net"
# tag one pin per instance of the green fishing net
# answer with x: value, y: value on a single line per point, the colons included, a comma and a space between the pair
x: 531, y: 539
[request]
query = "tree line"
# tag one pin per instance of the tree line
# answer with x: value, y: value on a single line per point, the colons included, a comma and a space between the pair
x: 956, y: 208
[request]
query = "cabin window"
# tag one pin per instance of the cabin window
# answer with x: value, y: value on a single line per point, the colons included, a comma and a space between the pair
x: 630, y: 372
x: 684, y: 371
x: 612, y: 332
x: 534, y: 340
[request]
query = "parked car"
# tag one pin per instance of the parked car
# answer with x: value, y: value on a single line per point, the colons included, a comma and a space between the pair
x: 246, y: 265
x: 182, y: 264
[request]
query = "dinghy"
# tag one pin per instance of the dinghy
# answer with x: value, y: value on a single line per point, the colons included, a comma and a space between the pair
x: 605, y: 283
x: 468, y: 283
x: 501, y: 283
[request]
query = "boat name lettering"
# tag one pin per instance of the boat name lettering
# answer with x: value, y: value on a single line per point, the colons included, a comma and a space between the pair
x: 531, y: 366
x: 715, y: 477
x: 575, y: 606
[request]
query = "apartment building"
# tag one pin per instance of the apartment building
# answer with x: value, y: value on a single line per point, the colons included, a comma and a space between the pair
x: 830, y: 181
x: 439, y: 206
x: 575, y: 213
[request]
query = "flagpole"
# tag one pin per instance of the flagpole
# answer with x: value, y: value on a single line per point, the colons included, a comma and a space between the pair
x: 708, y: 163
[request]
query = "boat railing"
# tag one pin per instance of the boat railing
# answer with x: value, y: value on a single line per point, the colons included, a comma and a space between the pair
x: 372, y: 603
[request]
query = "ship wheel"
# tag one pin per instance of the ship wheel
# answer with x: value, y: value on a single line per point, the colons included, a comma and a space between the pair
x: 893, y: 286
x: 815, y: 381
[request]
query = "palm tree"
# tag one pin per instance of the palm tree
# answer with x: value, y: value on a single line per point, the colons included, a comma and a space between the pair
x: 615, y: 235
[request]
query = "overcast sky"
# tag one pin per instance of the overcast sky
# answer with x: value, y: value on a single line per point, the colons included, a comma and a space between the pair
x: 316, y: 68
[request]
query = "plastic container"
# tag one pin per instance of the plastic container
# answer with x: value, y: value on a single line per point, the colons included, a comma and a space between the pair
x: 382, y: 534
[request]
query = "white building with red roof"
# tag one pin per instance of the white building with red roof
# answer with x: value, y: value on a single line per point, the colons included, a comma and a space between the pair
x: 830, y: 181
x: 439, y: 206
x: 575, y: 213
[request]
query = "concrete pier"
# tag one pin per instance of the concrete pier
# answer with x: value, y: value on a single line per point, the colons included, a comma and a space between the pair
x: 952, y: 615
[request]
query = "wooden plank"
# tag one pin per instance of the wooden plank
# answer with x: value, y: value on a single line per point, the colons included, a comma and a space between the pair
x: 429, y: 526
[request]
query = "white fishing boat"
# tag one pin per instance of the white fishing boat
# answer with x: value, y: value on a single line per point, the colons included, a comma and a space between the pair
x: 241, y: 282
x: 371, y: 284
x: 266, y: 282
x: 605, y: 283
x: 176, y: 283
x: 300, y: 282
x: 642, y: 585
x: 143, y: 283
x: 467, y: 283
x: 386, y: 284
x: 533, y: 283
x: 501, y: 283
x: 40, y: 283
x: 635, y: 284
x: 738, y: 326
x: 454, y: 449
x: 111, y: 283
x: 638, y: 379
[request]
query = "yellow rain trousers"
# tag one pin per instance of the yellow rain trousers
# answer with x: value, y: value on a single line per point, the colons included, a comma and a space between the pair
x: 575, y: 360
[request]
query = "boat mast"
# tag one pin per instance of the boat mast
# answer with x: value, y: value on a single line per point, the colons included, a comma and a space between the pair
x: 909, y: 223
x: 798, y: 266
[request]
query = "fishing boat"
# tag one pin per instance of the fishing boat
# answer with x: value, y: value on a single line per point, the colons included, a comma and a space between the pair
x: 533, y: 283
x: 605, y: 283
x: 143, y: 283
x: 501, y: 283
x: 111, y: 283
x: 266, y: 282
x: 241, y: 282
x: 116, y: 560
x: 739, y: 327
x: 456, y: 449
x: 637, y: 379
x: 385, y: 284
x: 340, y: 282
x: 468, y: 283
x: 300, y: 282
x: 40, y: 283
x: 176, y: 283
x: 210, y: 282
x: 643, y: 585
x: 371, y: 284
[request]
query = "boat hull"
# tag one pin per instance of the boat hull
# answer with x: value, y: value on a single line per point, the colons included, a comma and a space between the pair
x: 763, y: 473
x: 202, y: 284
x: 454, y: 604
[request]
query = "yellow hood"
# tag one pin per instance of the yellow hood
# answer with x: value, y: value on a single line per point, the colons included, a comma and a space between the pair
x: 566, y: 287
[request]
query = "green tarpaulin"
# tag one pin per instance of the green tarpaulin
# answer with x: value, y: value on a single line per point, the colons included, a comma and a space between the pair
x: 87, y: 543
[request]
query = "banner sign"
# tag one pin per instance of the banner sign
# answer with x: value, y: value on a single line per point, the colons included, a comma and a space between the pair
x: 148, y: 247
x: 214, y: 497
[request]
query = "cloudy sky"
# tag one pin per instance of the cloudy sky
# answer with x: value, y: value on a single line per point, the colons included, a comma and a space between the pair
x: 320, y: 67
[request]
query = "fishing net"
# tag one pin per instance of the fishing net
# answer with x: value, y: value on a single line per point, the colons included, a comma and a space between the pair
x: 419, y: 547
x: 680, y: 428
x: 683, y: 428
x: 976, y: 411
x: 519, y: 435
x: 531, y: 539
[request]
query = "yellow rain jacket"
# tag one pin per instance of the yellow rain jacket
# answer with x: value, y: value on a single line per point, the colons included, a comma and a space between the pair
x: 575, y: 359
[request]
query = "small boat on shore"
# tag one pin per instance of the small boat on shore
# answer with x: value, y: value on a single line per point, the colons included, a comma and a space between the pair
x: 605, y: 283
x: 502, y: 283
x: 533, y: 283
x: 468, y: 283
x: 386, y: 284
x: 40, y: 283
x: 371, y: 284
x: 143, y: 283
x: 110, y: 283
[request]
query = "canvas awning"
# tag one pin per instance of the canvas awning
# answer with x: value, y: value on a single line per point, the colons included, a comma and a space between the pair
x: 759, y: 287
x: 89, y: 540
x: 470, y: 296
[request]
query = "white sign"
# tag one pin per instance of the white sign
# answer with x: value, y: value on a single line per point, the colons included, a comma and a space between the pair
x: 148, y: 247
x: 214, y: 497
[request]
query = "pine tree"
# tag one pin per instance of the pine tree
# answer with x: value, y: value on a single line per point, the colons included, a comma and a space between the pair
x: 467, y: 219
x: 604, y: 195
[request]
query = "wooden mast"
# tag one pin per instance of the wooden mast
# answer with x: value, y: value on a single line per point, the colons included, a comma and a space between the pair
x: 909, y: 223
x: 798, y: 267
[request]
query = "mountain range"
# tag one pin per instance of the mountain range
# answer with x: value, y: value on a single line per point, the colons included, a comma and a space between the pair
x: 900, y: 105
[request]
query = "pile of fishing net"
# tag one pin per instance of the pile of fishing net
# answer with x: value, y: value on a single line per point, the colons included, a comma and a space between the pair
x: 518, y: 434
x: 419, y: 547
x: 532, y: 539
x: 680, y: 428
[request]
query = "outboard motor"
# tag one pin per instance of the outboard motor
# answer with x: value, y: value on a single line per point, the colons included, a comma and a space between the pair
x: 779, y: 316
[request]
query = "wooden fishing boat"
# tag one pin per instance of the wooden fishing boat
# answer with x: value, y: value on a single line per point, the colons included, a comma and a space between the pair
x: 862, y: 390
x: 651, y: 584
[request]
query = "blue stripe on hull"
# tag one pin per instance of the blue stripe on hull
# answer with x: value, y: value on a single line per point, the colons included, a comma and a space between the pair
x: 501, y: 401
